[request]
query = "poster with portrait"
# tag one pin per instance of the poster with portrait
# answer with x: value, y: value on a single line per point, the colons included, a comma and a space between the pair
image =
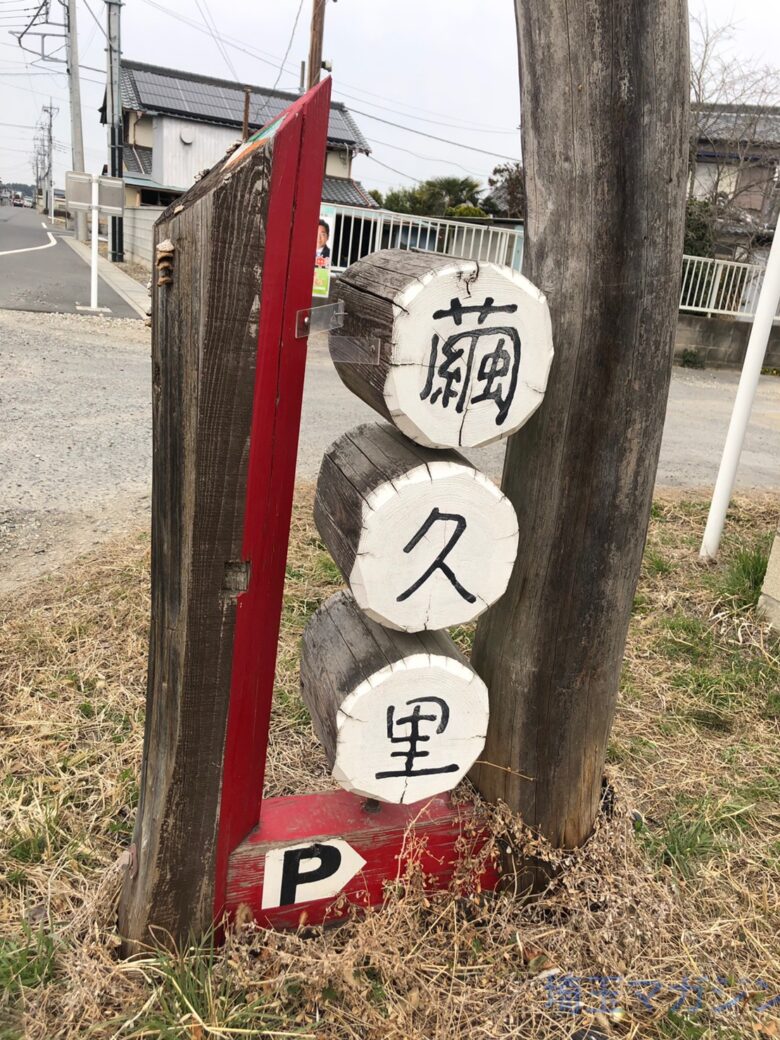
x: 322, y: 254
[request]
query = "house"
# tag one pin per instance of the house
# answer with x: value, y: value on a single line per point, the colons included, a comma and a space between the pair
x: 738, y: 165
x: 176, y: 124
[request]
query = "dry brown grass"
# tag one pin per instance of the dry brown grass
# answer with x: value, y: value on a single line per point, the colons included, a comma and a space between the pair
x: 689, y: 891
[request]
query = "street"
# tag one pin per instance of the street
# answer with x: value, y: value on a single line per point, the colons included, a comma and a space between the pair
x: 75, y: 441
x: 40, y: 272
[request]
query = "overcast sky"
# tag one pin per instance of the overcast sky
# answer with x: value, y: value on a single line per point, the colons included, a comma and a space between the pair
x: 446, y: 68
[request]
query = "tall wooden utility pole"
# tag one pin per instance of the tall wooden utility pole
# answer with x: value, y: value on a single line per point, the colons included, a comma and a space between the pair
x: 317, y: 33
x: 604, y: 92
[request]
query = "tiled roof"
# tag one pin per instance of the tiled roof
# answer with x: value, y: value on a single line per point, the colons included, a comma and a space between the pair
x: 137, y: 159
x: 150, y: 88
x: 754, y: 124
x: 346, y: 192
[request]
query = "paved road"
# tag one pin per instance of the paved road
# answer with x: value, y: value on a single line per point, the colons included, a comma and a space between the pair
x: 75, y: 436
x: 40, y: 272
x: 697, y: 418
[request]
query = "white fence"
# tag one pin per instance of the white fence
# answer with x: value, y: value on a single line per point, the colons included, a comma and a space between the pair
x: 723, y: 287
x: 139, y: 233
x: 358, y: 232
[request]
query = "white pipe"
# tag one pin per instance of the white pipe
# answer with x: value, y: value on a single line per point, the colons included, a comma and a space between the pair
x: 743, y: 404
x: 93, y: 289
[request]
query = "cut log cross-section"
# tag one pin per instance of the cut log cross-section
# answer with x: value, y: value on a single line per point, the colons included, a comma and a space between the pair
x: 466, y: 346
x: 424, y: 540
x: 401, y: 716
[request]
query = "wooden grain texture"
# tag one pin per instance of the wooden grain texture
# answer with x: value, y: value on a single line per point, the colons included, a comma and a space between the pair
x: 204, y: 347
x: 444, y: 840
x: 604, y: 89
x: 352, y: 468
x: 221, y: 314
x: 355, y: 672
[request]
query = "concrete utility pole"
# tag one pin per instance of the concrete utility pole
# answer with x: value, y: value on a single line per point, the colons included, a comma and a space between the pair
x: 317, y: 33
x: 48, y: 196
x: 114, y: 119
x: 76, y: 134
x: 766, y: 309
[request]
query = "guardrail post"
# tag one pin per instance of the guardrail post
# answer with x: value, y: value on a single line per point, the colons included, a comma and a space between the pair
x: 715, y: 288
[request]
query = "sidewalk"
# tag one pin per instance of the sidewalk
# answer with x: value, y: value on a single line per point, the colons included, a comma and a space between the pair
x: 131, y: 291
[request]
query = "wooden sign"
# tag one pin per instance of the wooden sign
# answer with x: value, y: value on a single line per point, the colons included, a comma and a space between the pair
x: 301, y: 865
x: 466, y: 346
x: 401, y: 717
x: 232, y: 294
x: 228, y: 368
x: 424, y: 540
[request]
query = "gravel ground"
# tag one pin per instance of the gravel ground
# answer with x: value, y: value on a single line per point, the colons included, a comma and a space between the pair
x: 75, y: 436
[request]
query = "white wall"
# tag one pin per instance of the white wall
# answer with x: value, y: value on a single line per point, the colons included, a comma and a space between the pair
x: 175, y: 163
x: 338, y: 163
x: 138, y: 229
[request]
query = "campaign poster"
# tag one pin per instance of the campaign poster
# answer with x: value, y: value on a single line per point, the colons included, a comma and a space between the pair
x: 325, y: 229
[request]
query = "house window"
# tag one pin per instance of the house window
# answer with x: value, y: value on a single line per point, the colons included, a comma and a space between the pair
x: 152, y: 197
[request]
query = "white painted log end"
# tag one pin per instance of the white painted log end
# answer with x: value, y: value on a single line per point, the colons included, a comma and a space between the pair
x: 436, y: 548
x: 412, y: 730
x: 471, y: 354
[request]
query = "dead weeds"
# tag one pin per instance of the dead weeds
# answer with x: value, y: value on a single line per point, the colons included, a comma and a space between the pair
x: 664, y: 925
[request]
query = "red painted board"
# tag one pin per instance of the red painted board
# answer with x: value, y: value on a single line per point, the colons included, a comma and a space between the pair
x: 436, y: 833
x: 298, y: 164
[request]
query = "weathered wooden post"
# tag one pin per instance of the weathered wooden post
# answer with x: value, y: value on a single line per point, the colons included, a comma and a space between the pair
x: 604, y: 89
x: 234, y: 258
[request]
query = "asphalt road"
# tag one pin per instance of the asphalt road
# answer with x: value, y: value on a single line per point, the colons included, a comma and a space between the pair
x: 697, y: 419
x: 75, y: 435
x: 40, y: 272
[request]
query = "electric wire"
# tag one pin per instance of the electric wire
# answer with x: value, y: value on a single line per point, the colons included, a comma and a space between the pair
x: 289, y: 44
x: 392, y: 169
x: 433, y: 137
x: 264, y: 56
x: 417, y: 155
x: 205, y: 14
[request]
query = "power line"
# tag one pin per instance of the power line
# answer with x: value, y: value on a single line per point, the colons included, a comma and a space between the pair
x: 199, y: 28
x: 289, y: 45
x: 433, y: 137
x: 264, y: 56
x: 435, y: 122
x: 214, y: 33
x: 95, y: 18
x: 430, y: 158
x: 392, y: 169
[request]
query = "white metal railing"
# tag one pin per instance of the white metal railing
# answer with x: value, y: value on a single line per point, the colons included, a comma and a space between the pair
x: 724, y: 287
x: 359, y: 232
